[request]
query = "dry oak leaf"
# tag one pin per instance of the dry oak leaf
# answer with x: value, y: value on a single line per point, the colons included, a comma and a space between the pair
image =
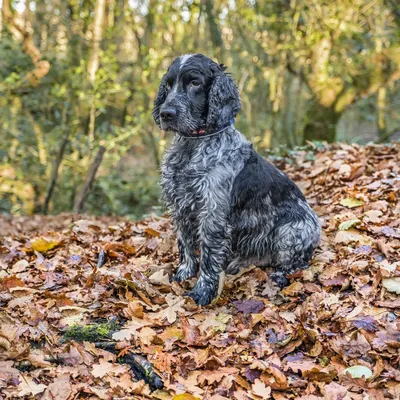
x: 351, y: 236
x: 191, y: 333
x: 106, y: 368
x: 134, y: 309
x: 131, y: 328
x: 327, y: 374
x: 175, y: 305
x: 293, y: 290
x: 7, y: 371
x: 249, y: 306
x: 20, y: 266
x: 392, y: 285
x: 59, y: 389
x: 147, y: 335
x: 215, y: 323
x: 261, y: 390
x: 301, y: 364
x: 159, y: 278
x: 29, y: 387
x: 334, y: 391
x: 10, y: 282
x: 373, y: 216
x: 189, y: 384
x: 172, y: 333
x: 212, y: 376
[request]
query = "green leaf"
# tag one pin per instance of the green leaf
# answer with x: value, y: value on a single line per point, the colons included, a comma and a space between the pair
x: 346, y: 225
x: 351, y: 202
x: 358, y: 371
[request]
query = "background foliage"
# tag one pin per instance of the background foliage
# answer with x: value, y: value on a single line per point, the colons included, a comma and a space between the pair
x: 78, y: 77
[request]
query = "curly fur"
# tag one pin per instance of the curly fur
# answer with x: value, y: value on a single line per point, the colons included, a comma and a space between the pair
x: 230, y: 207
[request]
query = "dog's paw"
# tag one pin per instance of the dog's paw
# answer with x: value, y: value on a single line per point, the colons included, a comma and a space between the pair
x: 280, y: 279
x: 202, y: 293
x: 184, y: 271
x: 202, y: 299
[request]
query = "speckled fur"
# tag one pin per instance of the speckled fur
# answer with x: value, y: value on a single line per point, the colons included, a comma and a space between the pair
x: 230, y: 207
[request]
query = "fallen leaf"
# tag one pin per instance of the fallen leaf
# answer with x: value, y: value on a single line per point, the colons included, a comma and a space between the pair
x: 351, y: 236
x: 392, y: 284
x: 261, y: 390
x: 358, y: 371
x: 107, y: 368
x: 294, y: 289
x: 30, y: 387
x: 216, y: 375
x: 44, y: 244
x: 185, y: 396
x: 159, y: 278
x: 249, y: 306
x: 169, y: 313
x: 60, y: 388
x: 351, y: 202
x: 346, y: 225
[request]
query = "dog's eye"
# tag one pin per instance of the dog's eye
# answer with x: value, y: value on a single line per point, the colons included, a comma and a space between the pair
x: 195, y: 83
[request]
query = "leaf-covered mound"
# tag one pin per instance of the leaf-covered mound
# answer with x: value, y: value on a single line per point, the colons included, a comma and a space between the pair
x: 334, y: 333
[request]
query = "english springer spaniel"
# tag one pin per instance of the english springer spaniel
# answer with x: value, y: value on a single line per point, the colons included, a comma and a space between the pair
x: 230, y: 207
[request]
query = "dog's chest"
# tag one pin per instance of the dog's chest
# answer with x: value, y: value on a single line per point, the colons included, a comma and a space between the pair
x: 183, y: 179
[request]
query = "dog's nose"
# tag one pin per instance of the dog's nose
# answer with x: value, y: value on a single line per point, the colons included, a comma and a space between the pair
x: 168, y: 114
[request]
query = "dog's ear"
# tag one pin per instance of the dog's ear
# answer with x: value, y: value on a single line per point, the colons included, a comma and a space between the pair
x: 159, y: 100
x: 223, y: 102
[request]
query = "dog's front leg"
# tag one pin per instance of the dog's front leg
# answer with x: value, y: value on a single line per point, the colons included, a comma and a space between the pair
x: 188, y: 263
x: 215, y: 247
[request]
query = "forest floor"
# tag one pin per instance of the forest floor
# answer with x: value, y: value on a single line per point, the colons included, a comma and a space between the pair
x: 332, y: 334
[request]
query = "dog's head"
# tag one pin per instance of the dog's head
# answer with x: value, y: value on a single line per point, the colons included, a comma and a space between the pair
x: 195, y: 94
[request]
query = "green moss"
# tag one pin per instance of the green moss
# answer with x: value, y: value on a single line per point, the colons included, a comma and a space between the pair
x: 89, y: 333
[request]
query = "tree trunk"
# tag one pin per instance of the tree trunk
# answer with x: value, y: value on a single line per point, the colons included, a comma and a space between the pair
x: 54, y: 174
x: 321, y: 123
x: 82, y: 195
x: 215, y: 31
x: 93, y: 63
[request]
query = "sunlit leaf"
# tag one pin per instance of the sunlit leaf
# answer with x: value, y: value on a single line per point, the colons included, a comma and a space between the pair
x: 351, y: 202
x: 185, y: 396
x: 344, y: 226
x: 392, y: 284
x: 42, y: 245
x: 358, y: 371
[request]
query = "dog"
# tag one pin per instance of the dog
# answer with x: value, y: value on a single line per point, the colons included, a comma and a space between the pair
x: 229, y: 206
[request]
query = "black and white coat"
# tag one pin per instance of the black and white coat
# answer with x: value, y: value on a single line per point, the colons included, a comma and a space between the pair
x: 230, y: 207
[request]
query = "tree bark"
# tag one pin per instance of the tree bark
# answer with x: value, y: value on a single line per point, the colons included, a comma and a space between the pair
x: 321, y: 123
x: 54, y: 174
x: 215, y: 32
x: 82, y: 195
x: 93, y: 63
